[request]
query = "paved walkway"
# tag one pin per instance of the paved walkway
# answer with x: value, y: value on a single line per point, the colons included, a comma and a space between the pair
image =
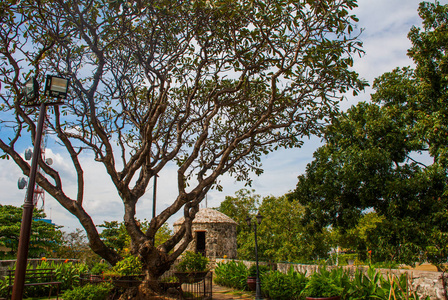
x: 225, y: 293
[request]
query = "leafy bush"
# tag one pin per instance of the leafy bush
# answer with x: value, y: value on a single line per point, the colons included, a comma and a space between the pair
x: 232, y: 274
x: 193, y: 262
x: 99, y: 268
x: 89, y: 292
x: 128, y: 266
x: 280, y: 286
x: 69, y: 274
x: 374, y: 286
x: 367, y: 286
x: 4, y: 282
x: 325, y: 283
x: 261, y: 268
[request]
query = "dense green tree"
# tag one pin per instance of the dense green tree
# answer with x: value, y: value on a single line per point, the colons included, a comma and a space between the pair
x: 241, y: 206
x: 370, y: 160
x: 45, y: 237
x: 285, y: 237
x: 208, y: 86
x: 281, y: 235
x: 115, y: 236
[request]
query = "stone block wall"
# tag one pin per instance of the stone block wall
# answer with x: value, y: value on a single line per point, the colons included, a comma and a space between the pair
x: 220, y: 239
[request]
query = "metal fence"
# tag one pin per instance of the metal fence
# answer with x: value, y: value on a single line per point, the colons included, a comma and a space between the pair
x: 171, y: 284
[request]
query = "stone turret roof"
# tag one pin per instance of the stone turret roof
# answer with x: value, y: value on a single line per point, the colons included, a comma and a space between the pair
x: 208, y: 216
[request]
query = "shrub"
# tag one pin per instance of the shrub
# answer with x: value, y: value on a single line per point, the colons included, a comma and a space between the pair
x: 99, y: 268
x: 232, y: 274
x: 253, y: 270
x: 326, y: 284
x: 280, y: 286
x: 193, y: 262
x: 88, y: 292
x: 128, y: 266
x: 69, y: 274
x: 4, y: 282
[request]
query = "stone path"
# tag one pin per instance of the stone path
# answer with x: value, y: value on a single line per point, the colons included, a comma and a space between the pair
x: 225, y: 293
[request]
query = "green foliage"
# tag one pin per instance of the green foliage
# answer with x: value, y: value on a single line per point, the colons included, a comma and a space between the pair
x: 4, y: 282
x: 373, y: 285
x: 282, y: 235
x: 115, y: 235
x: 130, y: 265
x: 232, y: 274
x: 243, y: 205
x: 44, y: 238
x: 89, y: 292
x: 277, y: 285
x: 99, y: 268
x: 326, y: 283
x: 67, y: 273
x: 192, y: 262
x: 261, y: 268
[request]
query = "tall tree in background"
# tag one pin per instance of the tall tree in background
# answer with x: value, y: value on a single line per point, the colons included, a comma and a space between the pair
x: 282, y: 235
x: 207, y: 86
x: 45, y: 237
x: 370, y: 157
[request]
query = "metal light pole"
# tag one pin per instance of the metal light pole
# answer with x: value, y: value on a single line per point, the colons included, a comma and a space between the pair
x: 54, y: 87
x: 257, y: 283
x: 154, y: 196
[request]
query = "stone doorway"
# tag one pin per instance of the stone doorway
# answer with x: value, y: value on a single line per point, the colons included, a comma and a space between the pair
x: 200, y: 242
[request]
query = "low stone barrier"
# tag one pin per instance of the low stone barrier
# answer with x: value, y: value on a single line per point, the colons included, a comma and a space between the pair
x: 424, y: 283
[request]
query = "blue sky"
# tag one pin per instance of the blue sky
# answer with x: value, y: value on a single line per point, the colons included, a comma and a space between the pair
x: 385, y: 23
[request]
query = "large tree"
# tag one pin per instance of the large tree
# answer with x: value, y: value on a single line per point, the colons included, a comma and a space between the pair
x: 210, y: 86
x: 374, y: 156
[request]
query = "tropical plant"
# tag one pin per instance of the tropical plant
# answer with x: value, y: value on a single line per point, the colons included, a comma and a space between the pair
x: 277, y: 285
x: 89, y: 292
x: 231, y: 274
x: 326, y: 283
x: 261, y: 269
x: 99, y: 268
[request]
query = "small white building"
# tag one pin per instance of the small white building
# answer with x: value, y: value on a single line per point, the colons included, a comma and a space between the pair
x: 214, y: 234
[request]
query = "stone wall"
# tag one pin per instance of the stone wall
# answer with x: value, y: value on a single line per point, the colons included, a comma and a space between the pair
x: 220, y: 239
x: 424, y: 283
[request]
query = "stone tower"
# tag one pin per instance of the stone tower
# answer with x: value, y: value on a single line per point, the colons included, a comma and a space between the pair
x: 214, y: 234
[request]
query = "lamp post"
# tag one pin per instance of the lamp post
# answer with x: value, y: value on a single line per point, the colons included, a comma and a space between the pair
x: 257, y: 286
x: 154, y: 196
x: 54, y: 87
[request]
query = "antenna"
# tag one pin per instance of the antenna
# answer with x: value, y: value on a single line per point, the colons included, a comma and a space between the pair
x: 39, y: 193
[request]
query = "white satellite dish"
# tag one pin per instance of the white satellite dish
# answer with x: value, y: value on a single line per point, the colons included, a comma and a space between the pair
x: 28, y: 154
x: 49, y: 161
x: 22, y: 182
